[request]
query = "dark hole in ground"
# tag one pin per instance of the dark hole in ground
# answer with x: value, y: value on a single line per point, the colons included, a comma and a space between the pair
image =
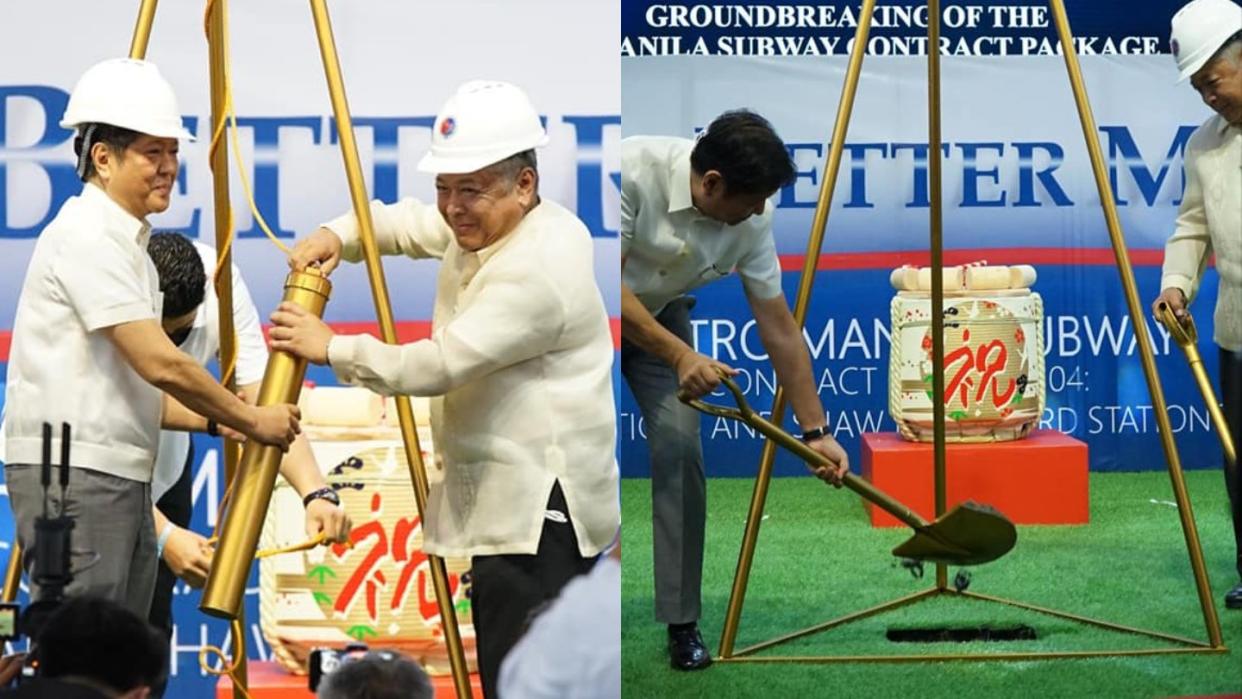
x: 962, y: 634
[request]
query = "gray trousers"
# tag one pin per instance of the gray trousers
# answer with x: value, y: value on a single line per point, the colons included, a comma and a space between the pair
x: 113, y: 538
x: 678, y: 487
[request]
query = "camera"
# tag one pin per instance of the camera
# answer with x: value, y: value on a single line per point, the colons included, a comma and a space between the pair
x: 325, y: 661
x: 52, y: 542
x: 51, y: 552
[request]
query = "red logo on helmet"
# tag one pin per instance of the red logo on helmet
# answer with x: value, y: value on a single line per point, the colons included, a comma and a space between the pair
x: 447, y: 126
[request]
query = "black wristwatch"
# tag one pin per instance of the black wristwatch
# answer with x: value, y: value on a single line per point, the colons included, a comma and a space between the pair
x: 212, y: 428
x: 322, y: 494
x: 817, y: 433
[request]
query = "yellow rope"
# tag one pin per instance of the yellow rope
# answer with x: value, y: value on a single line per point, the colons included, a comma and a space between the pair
x: 228, y: 118
x: 229, y: 112
x: 319, y: 539
x: 241, y: 170
x: 226, y: 369
x: 228, y: 667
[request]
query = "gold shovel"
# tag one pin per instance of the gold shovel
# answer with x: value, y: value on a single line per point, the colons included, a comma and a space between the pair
x: 1187, y: 337
x: 968, y: 534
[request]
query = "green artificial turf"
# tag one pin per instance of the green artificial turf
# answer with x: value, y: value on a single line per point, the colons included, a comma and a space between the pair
x: 818, y: 559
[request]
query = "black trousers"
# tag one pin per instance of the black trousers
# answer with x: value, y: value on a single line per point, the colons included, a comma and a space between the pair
x: 509, y: 590
x: 1231, y: 396
x: 177, y: 507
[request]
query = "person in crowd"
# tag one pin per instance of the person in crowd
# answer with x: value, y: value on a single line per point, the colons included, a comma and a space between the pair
x: 573, y: 648
x: 380, y: 674
x: 94, y: 648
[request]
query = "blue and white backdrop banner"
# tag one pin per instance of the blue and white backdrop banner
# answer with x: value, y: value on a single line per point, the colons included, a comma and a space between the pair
x: 1018, y: 189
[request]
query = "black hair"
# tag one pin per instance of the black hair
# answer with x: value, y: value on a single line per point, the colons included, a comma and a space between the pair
x: 97, y: 639
x: 379, y: 674
x: 744, y: 148
x: 183, y: 280
x: 116, y: 138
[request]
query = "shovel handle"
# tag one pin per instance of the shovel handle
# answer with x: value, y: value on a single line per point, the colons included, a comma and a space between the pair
x: 745, y: 414
x: 849, y: 480
x: 1184, y: 333
x: 1187, y: 337
x: 741, y: 412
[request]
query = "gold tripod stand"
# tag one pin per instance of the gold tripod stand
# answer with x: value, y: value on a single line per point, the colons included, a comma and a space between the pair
x: 1214, y: 643
x: 282, y: 381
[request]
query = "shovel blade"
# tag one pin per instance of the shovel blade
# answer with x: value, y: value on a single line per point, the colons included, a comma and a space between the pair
x: 969, y: 534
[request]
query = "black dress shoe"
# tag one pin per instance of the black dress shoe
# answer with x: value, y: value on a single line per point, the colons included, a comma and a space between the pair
x: 1233, y: 598
x: 686, y: 650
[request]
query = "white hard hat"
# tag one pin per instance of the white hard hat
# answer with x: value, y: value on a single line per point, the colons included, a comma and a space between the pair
x: 1199, y: 30
x: 129, y: 93
x: 484, y: 122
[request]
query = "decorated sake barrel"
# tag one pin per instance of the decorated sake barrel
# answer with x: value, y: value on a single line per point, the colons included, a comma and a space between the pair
x: 993, y: 363
x: 380, y: 590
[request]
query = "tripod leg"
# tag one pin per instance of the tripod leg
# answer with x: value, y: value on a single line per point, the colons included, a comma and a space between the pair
x: 747, y: 553
x: 1138, y: 322
x: 12, y: 574
x: 383, y: 309
x: 936, y: 230
x: 217, y: 23
x: 142, y: 29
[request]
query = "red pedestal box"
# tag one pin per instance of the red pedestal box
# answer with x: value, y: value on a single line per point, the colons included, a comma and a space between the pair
x: 1038, y: 480
x: 268, y: 680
